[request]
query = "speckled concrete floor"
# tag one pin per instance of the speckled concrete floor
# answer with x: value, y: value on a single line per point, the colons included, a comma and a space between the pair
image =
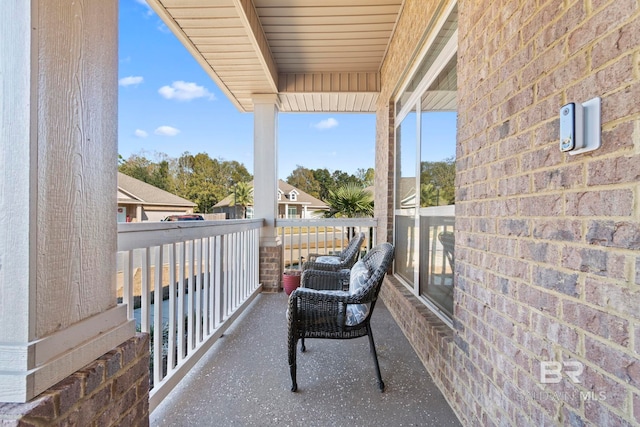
x: 244, y: 380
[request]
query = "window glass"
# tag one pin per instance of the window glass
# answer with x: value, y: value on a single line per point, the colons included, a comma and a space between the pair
x: 406, y: 182
x: 437, y: 189
x: 425, y: 175
x: 406, y: 203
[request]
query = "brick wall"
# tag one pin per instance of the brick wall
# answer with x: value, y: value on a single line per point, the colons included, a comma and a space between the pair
x: 547, y: 244
x: 112, y: 391
x: 271, y: 268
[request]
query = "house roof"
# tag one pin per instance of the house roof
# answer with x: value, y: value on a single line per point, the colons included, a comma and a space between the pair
x: 131, y: 190
x: 302, y: 198
x: 316, y: 55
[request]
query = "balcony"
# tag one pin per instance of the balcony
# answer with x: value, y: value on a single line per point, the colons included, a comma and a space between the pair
x: 244, y: 380
x: 226, y: 361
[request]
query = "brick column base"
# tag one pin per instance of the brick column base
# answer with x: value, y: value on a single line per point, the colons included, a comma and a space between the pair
x: 271, y: 267
x: 111, y: 391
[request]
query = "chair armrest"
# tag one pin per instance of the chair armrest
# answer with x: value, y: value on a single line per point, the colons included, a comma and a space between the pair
x: 325, y: 280
x: 311, y: 265
x: 321, y: 295
x: 312, y: 257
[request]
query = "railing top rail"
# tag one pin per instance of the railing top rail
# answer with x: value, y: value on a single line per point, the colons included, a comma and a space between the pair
x: 140, y: 235
x: 323, y: 222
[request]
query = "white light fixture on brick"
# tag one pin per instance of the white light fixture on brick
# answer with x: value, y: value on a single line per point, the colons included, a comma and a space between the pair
x: 580, y: 127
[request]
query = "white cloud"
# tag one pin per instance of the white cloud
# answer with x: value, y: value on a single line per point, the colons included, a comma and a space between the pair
x: 140, y: 133
x: 144, y: 3
x: 185, y: 91
x: 131, y: 80
x: 167, y: 131
x: 326, y: 124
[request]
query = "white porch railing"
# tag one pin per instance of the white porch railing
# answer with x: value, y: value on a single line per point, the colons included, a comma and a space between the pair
x: 300, y: 237
x: 204, y: 273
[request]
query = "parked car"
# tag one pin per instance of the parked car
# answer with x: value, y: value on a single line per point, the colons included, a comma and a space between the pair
x: 191, y: 217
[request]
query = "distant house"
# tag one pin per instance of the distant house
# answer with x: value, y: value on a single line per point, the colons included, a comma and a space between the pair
x: 139, y: 201
x: 292, y: 203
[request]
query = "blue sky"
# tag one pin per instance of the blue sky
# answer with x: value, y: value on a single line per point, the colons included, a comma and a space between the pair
x: 168, y: 104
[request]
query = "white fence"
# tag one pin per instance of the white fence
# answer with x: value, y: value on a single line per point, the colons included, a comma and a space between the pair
x: 301, y: 237
x: 204, y: 273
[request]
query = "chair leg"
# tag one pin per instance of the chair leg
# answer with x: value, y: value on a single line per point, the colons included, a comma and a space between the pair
x: 293, y: 343
x: 375, y: 360
x: 302, y: 346
x: 294, y: 383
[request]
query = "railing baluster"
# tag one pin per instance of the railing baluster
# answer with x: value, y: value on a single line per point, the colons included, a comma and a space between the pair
x: 127, y: 282
x: 181, y: 301
x: 171, y: 345
x: 226, y: 277
x: 157, y: 317
x: 206, y: 286
x: 326, y: 228
x: 212, y: 283
x: 192, y: 289
x: 198, y: 293
x: 144, y: 291
x: 219, y: 270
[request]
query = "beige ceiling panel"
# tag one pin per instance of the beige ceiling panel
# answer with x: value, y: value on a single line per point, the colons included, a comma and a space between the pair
x: 322, y: 55
x: 210, y: 22
x: 226, y: 33
x: 285, y: 51
x: 384, y: 8
x: 329, y: 28
x: 325, y: 3
x: 276, y: 21
x: 200, y: 4
x: 349, y: 54
x: 327, y: 39
x: 204, y: 12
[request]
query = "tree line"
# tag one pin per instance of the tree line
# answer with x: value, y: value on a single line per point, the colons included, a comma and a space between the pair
x: 206, y: 181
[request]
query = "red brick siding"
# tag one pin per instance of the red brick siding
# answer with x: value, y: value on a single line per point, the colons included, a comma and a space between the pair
x: 547, y: 244
x: 112, y: 391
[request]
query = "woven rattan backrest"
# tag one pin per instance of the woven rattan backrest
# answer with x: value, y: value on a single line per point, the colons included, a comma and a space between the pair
x: 378, y: 260
x: 350, y: 253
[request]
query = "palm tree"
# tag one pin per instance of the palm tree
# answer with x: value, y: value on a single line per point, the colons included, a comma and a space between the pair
x: 243, y: 196
x: 350, y: 201
x: 429, y: 195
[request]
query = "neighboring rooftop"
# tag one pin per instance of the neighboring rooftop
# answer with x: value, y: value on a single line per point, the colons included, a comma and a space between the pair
x: 285, y: 188
x: 132, y: 190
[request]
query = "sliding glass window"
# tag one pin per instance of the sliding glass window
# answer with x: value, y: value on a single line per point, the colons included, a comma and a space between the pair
x: 425, y: 174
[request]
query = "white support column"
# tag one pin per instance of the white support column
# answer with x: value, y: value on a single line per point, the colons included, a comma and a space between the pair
x: 58, y: 127
x: 265, y: 164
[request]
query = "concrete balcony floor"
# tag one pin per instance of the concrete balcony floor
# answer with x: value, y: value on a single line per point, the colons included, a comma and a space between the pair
x: 244, y: 380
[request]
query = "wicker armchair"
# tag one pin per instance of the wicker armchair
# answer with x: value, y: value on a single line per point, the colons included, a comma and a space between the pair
x: 344, y: 259
x: 321, y: 309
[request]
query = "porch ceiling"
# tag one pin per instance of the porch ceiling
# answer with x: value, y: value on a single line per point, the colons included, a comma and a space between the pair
x: 317, y: 55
